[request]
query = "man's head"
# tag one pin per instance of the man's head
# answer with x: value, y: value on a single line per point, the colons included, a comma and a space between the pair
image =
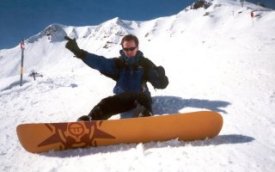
x: 129, y: 45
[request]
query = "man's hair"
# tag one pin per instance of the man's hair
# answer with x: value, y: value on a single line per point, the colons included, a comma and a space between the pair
x: 130, y: 37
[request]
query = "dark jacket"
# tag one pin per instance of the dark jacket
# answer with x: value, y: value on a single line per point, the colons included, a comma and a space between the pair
x: 130, y: 74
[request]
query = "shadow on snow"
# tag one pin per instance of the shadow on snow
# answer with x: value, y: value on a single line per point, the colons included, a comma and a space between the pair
x: 146, y: 147
x: 13, y: 84
x: 173, y: 104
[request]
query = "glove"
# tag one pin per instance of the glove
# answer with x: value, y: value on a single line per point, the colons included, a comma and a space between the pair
x: 163, y: 80
x: 158, y: 78
x: 73, y: 47
x: 160, y: 70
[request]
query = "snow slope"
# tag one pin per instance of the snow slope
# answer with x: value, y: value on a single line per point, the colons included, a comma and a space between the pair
x: 217, y: 58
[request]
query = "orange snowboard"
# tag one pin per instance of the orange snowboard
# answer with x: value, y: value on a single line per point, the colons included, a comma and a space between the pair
x: 43, y: 137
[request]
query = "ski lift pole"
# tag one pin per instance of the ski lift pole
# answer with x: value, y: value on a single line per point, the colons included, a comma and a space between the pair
x: 22, y: 46
x: 242, y: 2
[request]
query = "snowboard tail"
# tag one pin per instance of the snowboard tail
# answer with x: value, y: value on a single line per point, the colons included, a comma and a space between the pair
x: 43, y: 137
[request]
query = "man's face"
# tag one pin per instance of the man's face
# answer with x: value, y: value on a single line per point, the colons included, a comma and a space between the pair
x: 130, y: 48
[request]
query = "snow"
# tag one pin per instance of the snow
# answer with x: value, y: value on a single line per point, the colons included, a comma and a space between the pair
x: 217, y: 58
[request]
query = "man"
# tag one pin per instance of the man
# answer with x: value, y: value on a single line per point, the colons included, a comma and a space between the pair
x: 131, y: 71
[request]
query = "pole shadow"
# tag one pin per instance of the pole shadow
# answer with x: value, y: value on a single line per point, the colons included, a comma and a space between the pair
x: 13, y: 84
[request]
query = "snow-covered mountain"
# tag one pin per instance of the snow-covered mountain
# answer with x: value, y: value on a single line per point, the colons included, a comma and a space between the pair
x: 218, y: 57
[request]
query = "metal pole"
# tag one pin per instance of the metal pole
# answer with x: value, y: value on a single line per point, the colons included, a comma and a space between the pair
x: 22, y: 62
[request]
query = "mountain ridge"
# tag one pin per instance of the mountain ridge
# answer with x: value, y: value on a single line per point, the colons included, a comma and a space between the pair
x: 198, y: 24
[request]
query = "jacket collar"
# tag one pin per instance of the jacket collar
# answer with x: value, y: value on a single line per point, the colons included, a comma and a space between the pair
x: 131, y: 60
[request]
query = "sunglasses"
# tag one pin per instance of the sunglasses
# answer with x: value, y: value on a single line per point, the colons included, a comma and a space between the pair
x: 129, y: 49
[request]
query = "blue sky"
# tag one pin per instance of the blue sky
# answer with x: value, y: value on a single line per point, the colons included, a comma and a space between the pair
x: 23, y: 18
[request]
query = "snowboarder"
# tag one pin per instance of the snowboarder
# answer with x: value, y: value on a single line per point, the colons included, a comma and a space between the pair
x: 131, y: 71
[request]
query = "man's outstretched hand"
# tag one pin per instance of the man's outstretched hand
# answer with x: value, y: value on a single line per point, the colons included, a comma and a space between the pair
x: 71, y: 44
x: 73, y: 47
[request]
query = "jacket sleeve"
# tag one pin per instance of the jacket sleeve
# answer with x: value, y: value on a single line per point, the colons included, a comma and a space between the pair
x: 102, y: 64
